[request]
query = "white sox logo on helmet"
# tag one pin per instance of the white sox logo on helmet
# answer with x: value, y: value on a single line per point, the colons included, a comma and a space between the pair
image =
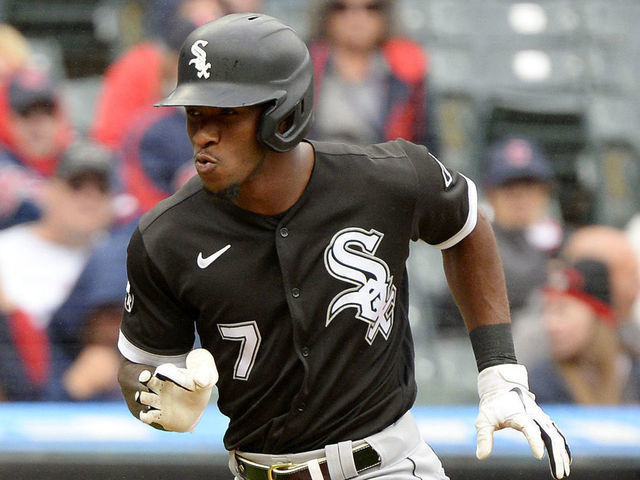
x: 350, y: 257
x: 199, y: 60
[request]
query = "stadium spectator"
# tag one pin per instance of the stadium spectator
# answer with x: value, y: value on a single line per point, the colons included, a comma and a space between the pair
x: 370, y: 83
x: 84, y: 331
x: 146, y: 72
x: 40, y: 262
x: 239, y: 6
x: 156, y: 157
x: 612, y: 246
x: 632, y: 231
x: 34, y: 131
x: 519, y: 188
x: 518, y: 185
x: 587, y: 364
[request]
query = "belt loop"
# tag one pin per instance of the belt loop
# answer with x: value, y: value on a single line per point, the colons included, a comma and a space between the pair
x: 345, y: 451
x: 333, y: 462
x: 314, y: 469
x: 233, y: 464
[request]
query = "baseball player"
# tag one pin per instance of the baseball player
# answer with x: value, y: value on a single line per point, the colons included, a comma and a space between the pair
x: 287, y: 257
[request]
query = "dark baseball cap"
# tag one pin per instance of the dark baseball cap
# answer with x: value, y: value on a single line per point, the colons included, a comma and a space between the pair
x: 84, y: 157
x: 587, y: 280
x: 30, y: 88
x: 516, y: 158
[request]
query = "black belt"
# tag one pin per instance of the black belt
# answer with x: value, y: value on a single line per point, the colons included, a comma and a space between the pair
x: 364, y: 457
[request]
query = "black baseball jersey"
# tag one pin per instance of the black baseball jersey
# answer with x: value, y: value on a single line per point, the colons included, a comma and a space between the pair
x: 305, y: 313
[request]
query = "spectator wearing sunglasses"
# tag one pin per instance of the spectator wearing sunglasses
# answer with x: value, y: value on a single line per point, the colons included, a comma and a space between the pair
x: 370, y: 83
x: 40, y: 262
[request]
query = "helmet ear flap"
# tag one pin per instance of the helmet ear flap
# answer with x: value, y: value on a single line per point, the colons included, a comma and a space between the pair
x: 297, y: 123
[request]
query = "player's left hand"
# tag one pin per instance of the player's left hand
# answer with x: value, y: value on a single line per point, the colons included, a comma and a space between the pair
x: 177, y: 396
x: 506, y: 402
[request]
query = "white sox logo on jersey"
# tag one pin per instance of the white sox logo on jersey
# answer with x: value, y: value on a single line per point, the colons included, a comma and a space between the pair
x: 200, y: 58
x: 350, y: 257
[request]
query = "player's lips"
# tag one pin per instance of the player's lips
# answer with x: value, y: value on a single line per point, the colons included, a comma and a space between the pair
x: 204, y: 162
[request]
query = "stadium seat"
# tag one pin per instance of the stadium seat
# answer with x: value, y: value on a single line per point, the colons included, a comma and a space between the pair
x: 613, y: 67
x: 611, y: 20
x: 456, y: 21
x: 70, y: 24
x: 533, y: 66
x: 613, y: 129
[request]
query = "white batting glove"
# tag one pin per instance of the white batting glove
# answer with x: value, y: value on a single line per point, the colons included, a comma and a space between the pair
x: 505, y: 401
x: 178, y: 396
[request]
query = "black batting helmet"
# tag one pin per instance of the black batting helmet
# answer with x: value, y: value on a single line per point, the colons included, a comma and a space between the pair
x: 249, y: 59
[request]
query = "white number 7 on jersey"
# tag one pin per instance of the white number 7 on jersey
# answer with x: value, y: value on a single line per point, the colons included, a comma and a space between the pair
x: 248, y: 335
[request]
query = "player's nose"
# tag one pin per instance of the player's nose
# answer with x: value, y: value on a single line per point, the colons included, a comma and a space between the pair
x: 207, y: 134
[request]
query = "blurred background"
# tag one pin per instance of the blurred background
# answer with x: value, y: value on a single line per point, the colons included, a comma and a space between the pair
x: 536, y: 101
x: 564, y: 71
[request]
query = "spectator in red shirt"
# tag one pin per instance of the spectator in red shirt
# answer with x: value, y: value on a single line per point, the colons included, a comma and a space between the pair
x: 147, y: 71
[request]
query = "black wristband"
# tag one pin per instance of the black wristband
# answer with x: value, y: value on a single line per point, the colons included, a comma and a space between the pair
x: 492, y: 345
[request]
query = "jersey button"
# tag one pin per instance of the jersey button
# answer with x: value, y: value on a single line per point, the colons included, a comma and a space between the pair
x: 305, y: 351
x: 284, y: 232
x: 295, y: 292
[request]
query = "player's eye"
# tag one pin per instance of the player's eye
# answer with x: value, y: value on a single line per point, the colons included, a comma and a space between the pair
x: 192, y: 112
x: 228, y: 111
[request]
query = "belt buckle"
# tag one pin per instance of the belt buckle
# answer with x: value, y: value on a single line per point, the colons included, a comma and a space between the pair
x: 276, y: 466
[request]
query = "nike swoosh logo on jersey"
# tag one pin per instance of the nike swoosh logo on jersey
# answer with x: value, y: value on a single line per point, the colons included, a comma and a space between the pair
x: 205, y: 262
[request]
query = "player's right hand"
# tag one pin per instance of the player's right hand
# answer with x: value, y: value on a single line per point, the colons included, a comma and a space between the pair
x: 177, y: 396
x: 506, y: 402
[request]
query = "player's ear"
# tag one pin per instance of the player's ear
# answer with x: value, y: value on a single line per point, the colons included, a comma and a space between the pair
x: 286, y: 124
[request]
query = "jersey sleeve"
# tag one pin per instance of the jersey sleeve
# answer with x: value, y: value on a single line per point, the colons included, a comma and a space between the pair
x: 155, y: 328
x: 446, y: 208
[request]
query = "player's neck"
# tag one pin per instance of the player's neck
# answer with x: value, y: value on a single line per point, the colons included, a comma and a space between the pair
x: 281, y: 182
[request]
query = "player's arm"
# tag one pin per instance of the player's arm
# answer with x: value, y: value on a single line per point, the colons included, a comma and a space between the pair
x: 476, y: 279
x: 165, y: 383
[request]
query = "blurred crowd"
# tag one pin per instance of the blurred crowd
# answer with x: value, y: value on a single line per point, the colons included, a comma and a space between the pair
x: 69, y: 200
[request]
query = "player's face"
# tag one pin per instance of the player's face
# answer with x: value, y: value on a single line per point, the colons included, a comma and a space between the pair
x: 226, y: 151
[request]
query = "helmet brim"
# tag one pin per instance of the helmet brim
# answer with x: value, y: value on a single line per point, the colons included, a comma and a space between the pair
x: 220, y: 94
